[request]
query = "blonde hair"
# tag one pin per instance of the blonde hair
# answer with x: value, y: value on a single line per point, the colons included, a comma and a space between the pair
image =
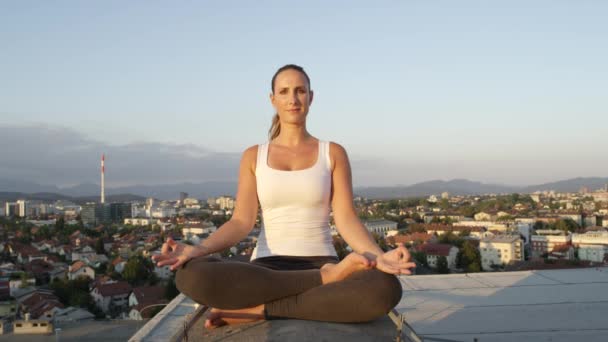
x: 275, y: 128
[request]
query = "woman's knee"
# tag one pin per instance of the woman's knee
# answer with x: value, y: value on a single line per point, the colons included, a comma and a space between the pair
x: 190, y: 279
x: 385, y: 294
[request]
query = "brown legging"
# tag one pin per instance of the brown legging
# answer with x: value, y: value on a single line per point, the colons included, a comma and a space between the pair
x: 290, y: 287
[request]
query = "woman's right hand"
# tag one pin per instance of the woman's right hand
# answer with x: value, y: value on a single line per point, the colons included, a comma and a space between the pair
x: 176, y: 254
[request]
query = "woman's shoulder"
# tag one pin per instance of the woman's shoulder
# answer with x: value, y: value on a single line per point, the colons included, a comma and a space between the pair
x: 337, y: 154
x: 250, y: 156
x: 336, y: 149
x: 251, y: 150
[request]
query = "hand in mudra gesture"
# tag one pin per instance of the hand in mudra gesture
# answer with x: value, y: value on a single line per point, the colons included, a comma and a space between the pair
x: 396, y: 261
x: 175, y: 254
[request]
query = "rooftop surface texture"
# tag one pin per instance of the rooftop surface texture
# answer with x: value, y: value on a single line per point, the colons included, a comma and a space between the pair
x: 550, y: 305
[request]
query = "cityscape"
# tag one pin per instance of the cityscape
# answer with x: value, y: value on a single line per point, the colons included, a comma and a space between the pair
x: 64, y: 262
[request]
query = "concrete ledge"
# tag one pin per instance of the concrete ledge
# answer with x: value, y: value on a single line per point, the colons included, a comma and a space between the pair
x: 172, y: 323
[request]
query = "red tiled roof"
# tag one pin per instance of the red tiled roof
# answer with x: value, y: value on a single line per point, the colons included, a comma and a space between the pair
x: 117, y: 261
x: 561, y: 248
x: 76, y: 266
x: 26, y: 250
x: 149, y: 293
x: 114, y: 289
x: 38, y: 297
x: 424, y: 237
x: 435, y: 249
x: 41, y: 307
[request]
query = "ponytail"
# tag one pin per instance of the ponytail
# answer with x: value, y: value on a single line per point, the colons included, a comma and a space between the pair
x: 275, y: 128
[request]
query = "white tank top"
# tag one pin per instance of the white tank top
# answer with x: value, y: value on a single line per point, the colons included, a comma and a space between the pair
x: 295, y: 208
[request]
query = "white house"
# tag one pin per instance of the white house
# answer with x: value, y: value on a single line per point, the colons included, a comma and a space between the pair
x: 110, y: 295
x: 434, y: 251
x: 591, y: 237
x: 594, y: 253
x: 500, y: 250
x: 545, y: 240
x: 78, y: 269
x: 380, y: 226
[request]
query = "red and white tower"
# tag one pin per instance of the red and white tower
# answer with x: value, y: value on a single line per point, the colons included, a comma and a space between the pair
x: 103, y: 179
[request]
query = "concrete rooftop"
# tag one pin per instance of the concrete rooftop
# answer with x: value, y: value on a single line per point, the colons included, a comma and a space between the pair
x: 553, y: 305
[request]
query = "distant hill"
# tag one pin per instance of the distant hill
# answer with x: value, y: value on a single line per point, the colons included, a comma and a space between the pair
x: 570, y: 185
x: 90, y: 191
x: 50, y: 197
x: 454, y: 187
x: 41, y: 196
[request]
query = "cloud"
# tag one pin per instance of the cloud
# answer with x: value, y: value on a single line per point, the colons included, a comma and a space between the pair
x: 62, y: 156
x: 58, y: 155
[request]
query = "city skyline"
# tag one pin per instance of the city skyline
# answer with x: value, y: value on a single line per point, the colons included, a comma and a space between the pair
x: 504, y: 94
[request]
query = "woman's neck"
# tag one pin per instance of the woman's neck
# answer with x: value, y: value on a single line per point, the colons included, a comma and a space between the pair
x: 292, y: 136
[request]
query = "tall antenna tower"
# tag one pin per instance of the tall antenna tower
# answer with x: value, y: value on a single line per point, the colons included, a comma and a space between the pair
x: 103, y: 179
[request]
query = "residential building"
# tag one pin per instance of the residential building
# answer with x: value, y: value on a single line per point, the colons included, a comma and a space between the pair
x: 545, y: 240
x: 11, y: 209
x: 411, y: 239
x: 576, y: 217
x: 79, y: 268
x: 562, y: 252
x: 93, y: 213
x: 8, y: 308
x: 380, y: 226
x: 456, y: 229
x: 120, y: 211
x: 591, y: 237
x: 140, y: 221
x: 500, y: 250
x: 485, y: 216
x: 143, y: 297
x: 38, y: 327
x: 434, y: 251
x: 594, y: 253
x: 225, y: 202
x: 113, y: 296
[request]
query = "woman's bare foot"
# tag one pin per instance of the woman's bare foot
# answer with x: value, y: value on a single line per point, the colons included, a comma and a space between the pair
x: 218, y: 317
x: 353, y: 262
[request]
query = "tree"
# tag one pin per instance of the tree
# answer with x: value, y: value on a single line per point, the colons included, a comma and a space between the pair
x: 171, y: 290
x: 380, y: 241
x: 340, y: 246
x: 444, y: 204
x: 467, y: 211
x: 566, y: 225
x: 60, y: 223
x: 420, y: 257
x: 99, y: 249
x: 137, y: 270
x: 416, y: 228
x: 540, y: 225
x: 468, y: 258
x: 442, y: 265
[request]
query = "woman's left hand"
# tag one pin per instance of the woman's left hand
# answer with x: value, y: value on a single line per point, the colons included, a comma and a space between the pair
x: 396, y: 261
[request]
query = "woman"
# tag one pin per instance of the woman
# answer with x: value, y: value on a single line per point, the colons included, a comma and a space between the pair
x: 294, y: 271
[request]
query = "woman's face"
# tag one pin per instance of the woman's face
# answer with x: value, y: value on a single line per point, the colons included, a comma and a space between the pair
x: 291, y: 98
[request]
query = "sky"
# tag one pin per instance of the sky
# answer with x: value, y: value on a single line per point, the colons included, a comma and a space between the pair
x: 510, y: 92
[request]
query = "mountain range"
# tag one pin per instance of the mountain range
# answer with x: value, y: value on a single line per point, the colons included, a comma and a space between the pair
x: 11, y: 190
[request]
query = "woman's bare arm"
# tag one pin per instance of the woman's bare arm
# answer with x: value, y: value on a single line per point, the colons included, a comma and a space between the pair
x: 347, y: 222
x: 396, y: 261
x: 231, y: 232
x: 245, y: 210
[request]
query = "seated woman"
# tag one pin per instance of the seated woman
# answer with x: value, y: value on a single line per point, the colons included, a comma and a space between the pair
x: 294, y: 270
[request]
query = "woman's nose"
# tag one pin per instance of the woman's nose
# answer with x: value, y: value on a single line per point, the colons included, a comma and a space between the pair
x: 293, y: 98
